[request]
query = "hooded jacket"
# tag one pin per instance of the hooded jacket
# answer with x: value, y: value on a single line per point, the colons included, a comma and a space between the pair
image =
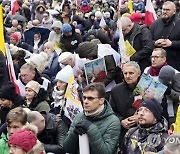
x: 71, y: 42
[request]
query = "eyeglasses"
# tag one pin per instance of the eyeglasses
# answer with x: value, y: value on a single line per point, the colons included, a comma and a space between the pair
x: 156, y: 57
x: 89, y: 98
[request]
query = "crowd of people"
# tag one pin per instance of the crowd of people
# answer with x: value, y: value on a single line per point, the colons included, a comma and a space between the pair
x: 51, y: 41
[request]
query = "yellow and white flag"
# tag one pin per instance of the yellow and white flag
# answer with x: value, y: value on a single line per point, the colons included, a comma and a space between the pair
x: 73, y: 104
x: 129, y: 49
x: 2, y: 45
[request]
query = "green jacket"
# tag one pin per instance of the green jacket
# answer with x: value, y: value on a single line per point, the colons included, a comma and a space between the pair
x: 4, y: 148
x: 103, y: 133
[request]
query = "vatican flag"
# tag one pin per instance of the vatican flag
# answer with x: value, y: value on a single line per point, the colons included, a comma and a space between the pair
x: 2, y: 45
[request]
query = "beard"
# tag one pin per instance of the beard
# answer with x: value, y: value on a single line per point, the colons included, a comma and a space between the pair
x: 166, y: 18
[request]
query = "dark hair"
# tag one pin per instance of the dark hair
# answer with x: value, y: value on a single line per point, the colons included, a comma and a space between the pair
x: 17, y: 114
x: 98, y: 86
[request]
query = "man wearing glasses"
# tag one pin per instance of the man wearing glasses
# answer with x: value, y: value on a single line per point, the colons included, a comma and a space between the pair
x: 97, y: 121
x: 169, y: 76
x: 166, y: 34
x: 158, y: 60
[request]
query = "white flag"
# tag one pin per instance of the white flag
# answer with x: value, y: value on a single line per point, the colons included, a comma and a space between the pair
x: 102, y: 22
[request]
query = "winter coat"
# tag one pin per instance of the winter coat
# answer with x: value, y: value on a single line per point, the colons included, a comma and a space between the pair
x: 39, y: 102
x: 4, y: 78
x: 53, y: 135
x: 98, y: 34
x: 121, y: 100
x: 103, y: 133
x: 18, y: 101
x: 85, y: 8
x: 4, y: 148
x: 54, y: 66
x: 139, y: 140
x: 141, y: 40
x: 44, y: 82
x: 72, y: 42
x: 171, y: 30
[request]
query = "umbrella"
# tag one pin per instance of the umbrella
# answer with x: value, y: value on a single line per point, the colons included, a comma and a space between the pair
x: 29, y: 34
x: 18, y: 17
x: 53, y: 12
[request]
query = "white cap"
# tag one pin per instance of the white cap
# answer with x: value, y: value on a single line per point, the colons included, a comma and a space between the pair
x: 65, y: 74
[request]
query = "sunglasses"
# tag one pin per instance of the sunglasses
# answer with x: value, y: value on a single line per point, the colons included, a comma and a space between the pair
x: 89, y: 98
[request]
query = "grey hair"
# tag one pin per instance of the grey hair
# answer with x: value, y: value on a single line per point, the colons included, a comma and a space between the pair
x: 28, y: 66
x: 133, y: 64
x: 163, y: 52
x: 171, y: 4
x: 125, y: 21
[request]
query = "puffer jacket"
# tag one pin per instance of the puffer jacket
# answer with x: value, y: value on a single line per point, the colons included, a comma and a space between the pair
x: 103, y: 133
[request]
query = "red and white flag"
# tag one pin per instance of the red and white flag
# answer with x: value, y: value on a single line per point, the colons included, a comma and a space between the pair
x: 11, y: 69
x: 150, y: 14
x: 14, y: 6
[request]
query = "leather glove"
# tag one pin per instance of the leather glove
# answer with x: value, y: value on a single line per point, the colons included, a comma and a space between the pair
x: 82, y: 127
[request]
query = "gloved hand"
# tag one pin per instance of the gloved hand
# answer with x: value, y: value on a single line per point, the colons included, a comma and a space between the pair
x: 168, y: 90
x: 82, y: 127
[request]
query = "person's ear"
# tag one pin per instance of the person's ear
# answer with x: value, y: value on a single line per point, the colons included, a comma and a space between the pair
x: 101, y: 101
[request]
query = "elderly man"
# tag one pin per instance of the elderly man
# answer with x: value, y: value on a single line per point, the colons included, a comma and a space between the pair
x: 140, y: 38
x: 166, y: 34
x: 27, y: 73
x: 97, y: 121
x: 122, y: 98
x: 51, y: 131
x: 151, y: 133
x: 67, y: 58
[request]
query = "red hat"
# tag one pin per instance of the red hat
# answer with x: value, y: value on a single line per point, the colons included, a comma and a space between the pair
x: 136, y: 17
x: 24, y: 139
x: 15, y: 36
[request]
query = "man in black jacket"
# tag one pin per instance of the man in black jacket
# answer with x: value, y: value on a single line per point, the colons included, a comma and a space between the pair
x: 51, y: 131
x: 122, y: 98
x: 140, y: 38
x: 166, y: 34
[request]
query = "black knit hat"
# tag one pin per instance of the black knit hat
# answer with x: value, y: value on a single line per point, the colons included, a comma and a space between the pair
x: 154, y: 106
x: 87, y: 49
x: 8, y: 91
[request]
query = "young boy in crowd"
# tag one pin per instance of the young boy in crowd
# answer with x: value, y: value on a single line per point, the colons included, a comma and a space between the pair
x: 16, y: 119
